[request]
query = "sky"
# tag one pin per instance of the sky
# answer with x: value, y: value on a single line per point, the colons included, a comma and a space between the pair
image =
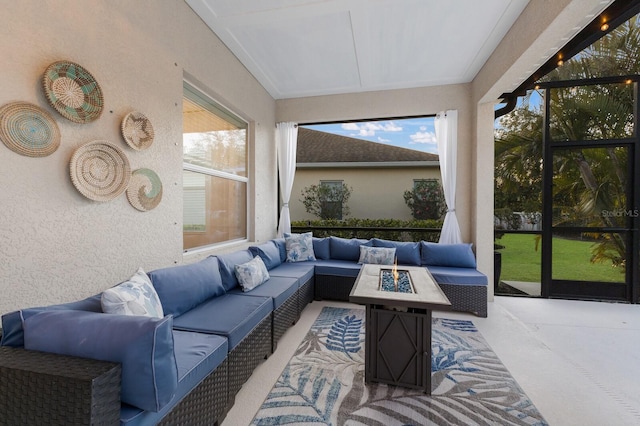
x: 412, y: 133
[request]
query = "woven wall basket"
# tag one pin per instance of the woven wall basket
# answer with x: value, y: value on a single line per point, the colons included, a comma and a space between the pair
x: 73, y: 92
x: 100, y: 170
x: 28, y: 129
x: 137, y: 131
x: 145, y: 190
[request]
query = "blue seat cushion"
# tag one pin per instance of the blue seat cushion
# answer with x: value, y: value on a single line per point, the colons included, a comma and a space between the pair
x: 269, y: 253
x: 143, y: 345
x: 228, y: 262
x: 277, y: 288
x: 12, y: 322
x: 303, y: 271
x: 407, y: 253
x: 182, y: 287
x: 197, y: 356
x: 340, y: 268
x: 453, y: 275
x: 231, y: 315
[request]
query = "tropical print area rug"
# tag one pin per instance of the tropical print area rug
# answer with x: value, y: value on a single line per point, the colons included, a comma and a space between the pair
x: 323, y: 384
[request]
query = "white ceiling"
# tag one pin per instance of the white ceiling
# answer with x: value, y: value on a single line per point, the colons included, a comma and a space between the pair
x: 300, y: 48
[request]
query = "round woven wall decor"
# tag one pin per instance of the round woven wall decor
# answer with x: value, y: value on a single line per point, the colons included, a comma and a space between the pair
x: 145, y: 190
x: 100, y: 170
x: 137, y: 131
x: 28, y: 129
x: 73, y: 92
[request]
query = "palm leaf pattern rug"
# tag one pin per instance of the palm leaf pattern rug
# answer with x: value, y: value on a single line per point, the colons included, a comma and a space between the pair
x: 323, y: 384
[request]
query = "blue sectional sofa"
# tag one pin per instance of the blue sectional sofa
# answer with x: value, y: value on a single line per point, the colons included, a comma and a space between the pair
x: 180, y: 348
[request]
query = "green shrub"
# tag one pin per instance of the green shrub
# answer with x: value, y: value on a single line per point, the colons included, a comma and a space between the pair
x: 333, y: 228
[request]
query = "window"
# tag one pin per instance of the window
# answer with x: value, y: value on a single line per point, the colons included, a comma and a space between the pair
x: 214, y: 172
x: 331, y: 199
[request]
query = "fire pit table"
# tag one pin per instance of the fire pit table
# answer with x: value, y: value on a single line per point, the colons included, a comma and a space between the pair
x: 398, y: 323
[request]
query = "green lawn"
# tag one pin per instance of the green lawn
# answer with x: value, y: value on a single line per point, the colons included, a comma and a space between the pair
x: 571, y: 260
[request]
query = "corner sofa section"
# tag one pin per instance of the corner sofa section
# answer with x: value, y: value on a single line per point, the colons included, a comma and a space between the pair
x: 187, y: 365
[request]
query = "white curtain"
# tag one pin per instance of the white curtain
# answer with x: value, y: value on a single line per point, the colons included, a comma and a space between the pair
x: 446, y: 124
x: 286, y: 143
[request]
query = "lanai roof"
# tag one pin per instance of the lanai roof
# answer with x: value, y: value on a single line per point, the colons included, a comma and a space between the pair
x: 321, y: 147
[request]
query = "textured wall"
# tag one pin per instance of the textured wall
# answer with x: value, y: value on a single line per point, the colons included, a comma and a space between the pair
x: 55, y: 244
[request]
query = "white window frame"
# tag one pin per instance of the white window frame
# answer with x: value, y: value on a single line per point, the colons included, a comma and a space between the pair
x: 229, y: 113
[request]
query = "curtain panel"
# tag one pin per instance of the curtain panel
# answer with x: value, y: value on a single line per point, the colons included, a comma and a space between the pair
x: 286, y: 145
x: 446, y: 124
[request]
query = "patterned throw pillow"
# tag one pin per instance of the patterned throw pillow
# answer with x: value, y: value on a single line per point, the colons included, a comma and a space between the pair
x: 252, y: 273
x: 377, y: 255
x: 299, y: 247
x: 136, y: 296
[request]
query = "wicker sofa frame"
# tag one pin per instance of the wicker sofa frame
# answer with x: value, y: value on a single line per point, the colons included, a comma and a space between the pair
x: 46, y: 388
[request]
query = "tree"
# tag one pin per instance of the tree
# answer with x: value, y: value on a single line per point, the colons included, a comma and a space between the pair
x: 589, y: 183
x: 426, y: 200
x: 327, y: 201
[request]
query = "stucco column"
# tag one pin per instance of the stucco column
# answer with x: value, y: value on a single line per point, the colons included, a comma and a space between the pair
x: 483, y: 191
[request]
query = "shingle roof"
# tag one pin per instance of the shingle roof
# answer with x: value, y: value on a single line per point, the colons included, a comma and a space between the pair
x: 321, y: 147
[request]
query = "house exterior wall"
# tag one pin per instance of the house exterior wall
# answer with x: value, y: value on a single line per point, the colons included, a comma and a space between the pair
x: 376, y: 193
x: 398, y: 103
x: 56, y: 245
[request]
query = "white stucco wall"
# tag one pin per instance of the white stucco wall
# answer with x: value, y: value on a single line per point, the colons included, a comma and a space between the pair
x: 55, y: 244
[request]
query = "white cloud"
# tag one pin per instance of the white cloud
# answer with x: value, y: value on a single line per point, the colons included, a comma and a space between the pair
x: 383, y: 140
x: 370, y: 129
x: 423, y: 137
x: 350, y: 126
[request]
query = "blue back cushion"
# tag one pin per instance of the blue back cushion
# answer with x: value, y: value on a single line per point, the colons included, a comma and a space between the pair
x: 282, y: 248
x: 268, y: 252
x: 228, y: 264
x: 12, y: 322
x: 322, y: 248
x: 408, y: 253
x: 181, y: 288
x: 456, y: 255
x: 143, y: 345
x: 345, y: 249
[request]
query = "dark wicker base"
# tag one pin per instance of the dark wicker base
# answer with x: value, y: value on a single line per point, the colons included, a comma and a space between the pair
x: 283, y: 318
x: 206, y: 404
x: 333, y: 287
x: 467, y: 298
x: 38, y: 388
x: 305, y: 294
x: 247, y: 355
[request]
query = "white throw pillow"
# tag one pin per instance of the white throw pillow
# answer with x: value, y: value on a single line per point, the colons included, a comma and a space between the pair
x: 377, y: 255
x: 252, y: 273
x: 299, y: 247
x: 136, y: 296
